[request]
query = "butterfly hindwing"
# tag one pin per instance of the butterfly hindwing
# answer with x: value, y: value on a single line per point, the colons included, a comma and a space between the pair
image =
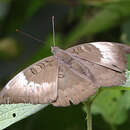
x: 72, y: 87
x: 106, y: 77
x: 75, y: 81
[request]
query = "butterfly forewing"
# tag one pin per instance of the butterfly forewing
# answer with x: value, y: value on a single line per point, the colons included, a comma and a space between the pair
x: 37, y: 84
x: 106, y: 54
x: 106, y: 61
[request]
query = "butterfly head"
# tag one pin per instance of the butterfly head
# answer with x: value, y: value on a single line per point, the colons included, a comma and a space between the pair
x: 58, y: 53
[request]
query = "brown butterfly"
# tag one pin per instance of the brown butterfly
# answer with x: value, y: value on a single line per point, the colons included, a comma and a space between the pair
x: 71, y: 75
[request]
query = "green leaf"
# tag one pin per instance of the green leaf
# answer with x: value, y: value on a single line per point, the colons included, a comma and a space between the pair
x: 108, y: 105
x: 113, y: 103
x: 11, y: 113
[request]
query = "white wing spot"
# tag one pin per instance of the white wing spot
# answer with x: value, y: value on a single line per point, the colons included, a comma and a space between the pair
x: 29, y: 86
x: 37, y: 85
x: 18, y: 79
x: 105, y: 50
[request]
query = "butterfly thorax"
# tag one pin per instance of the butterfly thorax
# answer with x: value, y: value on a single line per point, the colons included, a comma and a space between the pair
x: 61, y: 55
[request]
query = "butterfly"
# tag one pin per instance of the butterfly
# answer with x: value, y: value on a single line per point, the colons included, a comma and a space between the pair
x: 69, y: 76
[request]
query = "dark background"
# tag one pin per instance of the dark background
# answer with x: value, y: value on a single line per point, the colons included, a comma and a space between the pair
x: 75, y: 22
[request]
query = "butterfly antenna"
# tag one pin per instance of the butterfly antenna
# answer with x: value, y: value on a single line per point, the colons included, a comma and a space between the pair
x: 53, y: 27
x: 29, y: 35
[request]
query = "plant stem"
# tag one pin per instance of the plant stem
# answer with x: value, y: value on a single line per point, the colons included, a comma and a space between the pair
x: 87, y: 109
x: 89, y: 116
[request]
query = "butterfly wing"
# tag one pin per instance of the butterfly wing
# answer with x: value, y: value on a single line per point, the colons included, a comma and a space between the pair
x: 106, y: 61
x: 106, y: 54
x: 72, y: 87
x: 37, y: 84
x: 75, y: 81
x: 106, y: 77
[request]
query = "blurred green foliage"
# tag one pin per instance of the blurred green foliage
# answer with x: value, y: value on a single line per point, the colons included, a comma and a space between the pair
x: 85, y: 21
